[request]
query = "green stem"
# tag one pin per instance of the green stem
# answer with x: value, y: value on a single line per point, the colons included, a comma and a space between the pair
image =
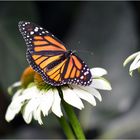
x: 66, y: 128
x: 72, y: 119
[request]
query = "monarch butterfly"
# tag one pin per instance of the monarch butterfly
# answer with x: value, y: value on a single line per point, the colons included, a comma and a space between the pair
x: 48, y: 56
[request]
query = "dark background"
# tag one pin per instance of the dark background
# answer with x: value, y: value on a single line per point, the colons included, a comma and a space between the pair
x: 111, y: 30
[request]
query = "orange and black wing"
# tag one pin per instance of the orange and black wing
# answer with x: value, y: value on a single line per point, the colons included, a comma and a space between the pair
x: 44, y: 65
x: 60, y: 70
x: 76, y: 72
x: 39, y: 40
x: 48, y: 56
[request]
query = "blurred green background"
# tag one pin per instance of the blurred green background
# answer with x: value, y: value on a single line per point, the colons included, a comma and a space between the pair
x: 111, y: 30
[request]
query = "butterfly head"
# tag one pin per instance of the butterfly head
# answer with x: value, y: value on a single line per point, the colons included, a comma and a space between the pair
x: 71, y: 52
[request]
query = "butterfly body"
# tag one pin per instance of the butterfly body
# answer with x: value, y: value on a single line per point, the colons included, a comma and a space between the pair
x: 48, y: 56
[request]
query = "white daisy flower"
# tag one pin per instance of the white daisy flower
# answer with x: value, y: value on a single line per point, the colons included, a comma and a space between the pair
x: 33, y: 102
x: 135, y: 64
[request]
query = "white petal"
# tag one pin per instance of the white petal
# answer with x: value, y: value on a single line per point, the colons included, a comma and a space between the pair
x: 13, y: 110
x: 17, y: 94
x: 71, y: 98
x: 101, y: 83
x: 93, y: 91
x: 135, y: 64
x: 15, y: 106
x: 18, y: 100
x: 23, y: 95
x: 16, y: 84
x: 85, y: 95
x: 98, y: 72
x: 31, y: 92
x: 37, y: 115
x: 29, y: 108
x: 131, y: 73
x: 130, y: 58
x: 47, y: 101
x: 28, y: 118
x: 56, y: 108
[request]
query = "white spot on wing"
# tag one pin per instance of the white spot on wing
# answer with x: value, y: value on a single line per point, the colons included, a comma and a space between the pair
x: 82, y: 77
x: 36, y: 29
x: 31, y: 32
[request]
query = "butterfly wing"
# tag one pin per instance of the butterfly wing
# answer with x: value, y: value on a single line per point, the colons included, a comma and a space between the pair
x: 76, y: 72
x: 71, y: 70
x: 41, y: 65
x: 40, y: 40
x: 49, y: 57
